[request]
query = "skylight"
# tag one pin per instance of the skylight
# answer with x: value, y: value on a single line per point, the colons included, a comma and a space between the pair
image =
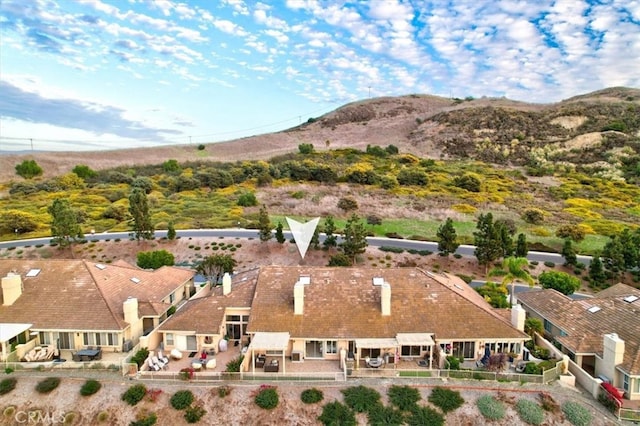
x: 631, y: 299
x: 594, y: 309
x: 100, y: 266
x: 135, y: 280
x: 33, y: 273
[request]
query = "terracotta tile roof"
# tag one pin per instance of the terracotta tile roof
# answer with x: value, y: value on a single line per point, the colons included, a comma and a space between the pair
x: 63, y: 296
x: 205, y: 315
x: 343, y: 303
x: 150, y: 287
x: 78, y: 295
x: 585, y: 329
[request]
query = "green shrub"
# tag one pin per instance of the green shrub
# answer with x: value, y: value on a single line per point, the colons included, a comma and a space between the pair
x: 576, y: 413
x: 404, y: 397
x: 454, y: 362
x: 7, y: 385
x: 224, y: 391
x: 233, y: 366
x: 140, y: 357
x: 102, y: 416
x: 149, y: 420
x: 360, y: 398
x: 336, y: 413
x: 530, y: 412
x: 381, y: 415
x: 247, y: 199
x: 48, y: 384
x: 311, y: 396
x: 90, y: 387
x: 8, y: 370
x: 70, y: 418
x: 549, y: 264
x: 181, y: 399
x: 491, y: 408
x: 194, y: 414
x: 532, y: 368
x: 134, y: 394
x: 425, y: 416
x: 391, y: 249
x: 267, y: 397
x: 446, y: 399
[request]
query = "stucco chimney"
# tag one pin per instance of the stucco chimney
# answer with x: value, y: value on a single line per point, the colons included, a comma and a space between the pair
x: 130, y: 308
x: 11, y: 288
x: 226, y: 283
x: 518, y: 315
x: 385, y: 299
x: 613, y: 349
x: 298, y: 298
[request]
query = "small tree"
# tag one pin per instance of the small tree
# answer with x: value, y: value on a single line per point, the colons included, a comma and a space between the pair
x: 28, y: 169
x: 330, y: 240
x: 347, y: 204
x: 83, y: 171
x: 171, y: 231
x: 495, y: 294
x: 64, y: 222
x: 340, y: 259
x: 447, y: 238
x: 139, y: 210
x: 214, y: 267
x: 560, y: 281
x: 533, y: 325
x: 597, y: 275
x: 522, y: 247
x: 533, y: 215
x: 315, y: 238
x: 171, y: 166
x: 264, y: 225
x: 516, y: 271
x: 279, y: 234
x: 488, y: 240
x: 155, y: 259
x: 305, y: 148
x: 569, y: 254
x: 574, y: 232
x: 355, y: 238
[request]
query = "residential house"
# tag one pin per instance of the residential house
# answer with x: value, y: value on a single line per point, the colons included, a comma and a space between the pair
x: 601, y: 334
x: 76, y: 303
x: 328, y: 313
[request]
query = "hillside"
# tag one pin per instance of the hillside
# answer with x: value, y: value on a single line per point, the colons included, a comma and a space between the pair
x: 493, y: 130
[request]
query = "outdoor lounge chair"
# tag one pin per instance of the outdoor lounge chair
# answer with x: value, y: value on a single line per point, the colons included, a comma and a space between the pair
x: 157, y: 362
x: 163, y: 358
x: 176, y: 354
x: 152, y: 365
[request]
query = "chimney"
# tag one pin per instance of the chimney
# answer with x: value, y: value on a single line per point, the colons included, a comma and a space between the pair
x: 298, y: 298
x: 518, y: 315
x: 385, y: 298
x: 226, y: 283
x: 11, y: 288
x: 130, y: 308
x: 612, y: 356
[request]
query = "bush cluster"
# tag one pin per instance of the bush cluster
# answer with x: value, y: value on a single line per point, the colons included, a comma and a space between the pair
x: 576, y: 414
x: 404, y: 397
x: 361, y: 398
x: 491, y: 408
x: 90, y: 387
x: 140, y: 357
x: 194, y: 414
x: 267, y: 397
x: 311, y: 396
x: 181, y: 399
x: 446, y: 399
x: 134, y: 394
x: 48, y: 384
x: 530, y: 412
x: 148, y: 420
x: 7, y: 385
x: 336, y: 413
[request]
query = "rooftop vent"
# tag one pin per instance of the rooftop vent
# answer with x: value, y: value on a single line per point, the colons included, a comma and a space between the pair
x: 101, y: 266
x: 594, y: 309
x: 33, y: 272
x: 628, y: 299
x: 135, y: 280
x: 378, y: 280
x: 305, y: 279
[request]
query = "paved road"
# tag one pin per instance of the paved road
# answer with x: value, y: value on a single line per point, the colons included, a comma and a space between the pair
x: 522, y: 288
x: 463, y: 250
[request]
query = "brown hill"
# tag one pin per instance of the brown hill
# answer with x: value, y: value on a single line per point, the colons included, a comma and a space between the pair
x: 490, y: 129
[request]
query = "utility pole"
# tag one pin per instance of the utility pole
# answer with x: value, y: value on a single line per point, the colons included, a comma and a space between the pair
x: 31, y: 143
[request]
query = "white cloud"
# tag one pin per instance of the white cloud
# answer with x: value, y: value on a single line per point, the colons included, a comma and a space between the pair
x: 229, y: 27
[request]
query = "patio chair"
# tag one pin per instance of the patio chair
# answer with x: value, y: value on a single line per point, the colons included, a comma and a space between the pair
x: 157, y: 362
x: 152, y: 366
x: 163, y: 358
x: 176, y: 354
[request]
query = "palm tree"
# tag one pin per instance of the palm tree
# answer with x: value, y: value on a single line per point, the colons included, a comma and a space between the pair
x: 512, y: 270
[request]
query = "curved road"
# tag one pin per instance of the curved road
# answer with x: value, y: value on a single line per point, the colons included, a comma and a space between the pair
x: 463, y: 250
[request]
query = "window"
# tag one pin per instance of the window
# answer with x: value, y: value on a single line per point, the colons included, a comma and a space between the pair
x: 233, y: 318
x: 172, y: 298
x: 548, y: 326
x: 45, y: 338
x: 637, y: 381
x: 410, y: 351
x: 625, y: 382
x: 168, y: 339
x: 331, y: 347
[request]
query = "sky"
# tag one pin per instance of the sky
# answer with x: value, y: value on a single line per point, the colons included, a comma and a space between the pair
x: 98, y: 74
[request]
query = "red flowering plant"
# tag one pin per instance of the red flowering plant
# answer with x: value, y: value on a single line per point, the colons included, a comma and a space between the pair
x: 153, y: 394
x: 613, y: 392
x: 187, y: 373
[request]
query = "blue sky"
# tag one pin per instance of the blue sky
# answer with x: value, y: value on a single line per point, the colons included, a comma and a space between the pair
x: 92, y: 74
